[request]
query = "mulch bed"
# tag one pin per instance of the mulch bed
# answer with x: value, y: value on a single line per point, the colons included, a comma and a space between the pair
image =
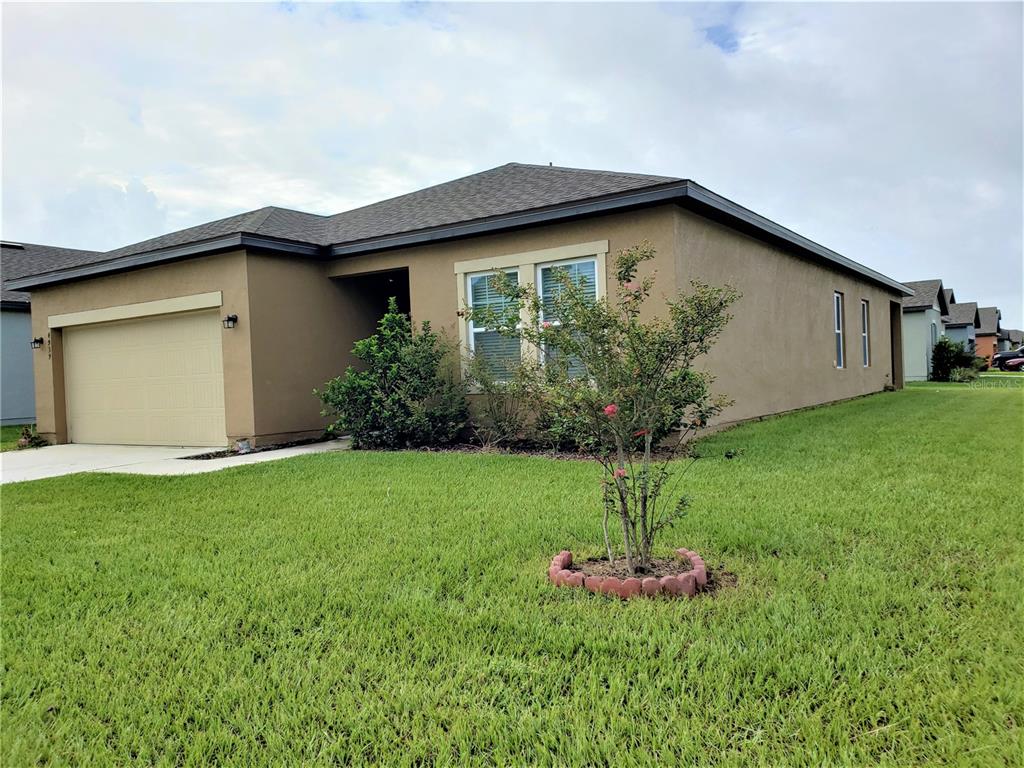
x: 685, y: 576
x: 531, y: 450
x: 599, y: 566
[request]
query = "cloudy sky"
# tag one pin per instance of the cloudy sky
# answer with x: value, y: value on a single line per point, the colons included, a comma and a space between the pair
x: 891, y: 133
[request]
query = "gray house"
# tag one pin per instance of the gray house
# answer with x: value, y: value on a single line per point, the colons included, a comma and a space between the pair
x: 962, y: 323
x: 17, y: 390
x: 922, y: 326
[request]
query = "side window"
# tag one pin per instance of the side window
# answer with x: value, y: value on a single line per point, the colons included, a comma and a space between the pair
x: 865, y: 332
x: 582, y: 272
x: 837, y: 316
x: 499, y: 353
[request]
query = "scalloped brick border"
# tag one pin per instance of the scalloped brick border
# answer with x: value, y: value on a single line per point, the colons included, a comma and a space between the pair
x: 685, y: 584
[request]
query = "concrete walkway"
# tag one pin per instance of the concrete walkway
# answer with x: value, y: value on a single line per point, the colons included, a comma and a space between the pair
x: 57, y: 460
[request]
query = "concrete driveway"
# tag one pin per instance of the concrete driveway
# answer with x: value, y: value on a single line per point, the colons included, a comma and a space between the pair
x: 57, y: 460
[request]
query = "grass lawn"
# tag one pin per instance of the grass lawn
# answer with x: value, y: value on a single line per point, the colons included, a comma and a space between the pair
x: 9, y: 435
x: 363, y: 607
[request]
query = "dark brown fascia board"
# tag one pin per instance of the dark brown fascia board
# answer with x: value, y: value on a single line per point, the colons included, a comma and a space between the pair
x: 686, y: 193
x: 149, y: 258
x: 15, y: 306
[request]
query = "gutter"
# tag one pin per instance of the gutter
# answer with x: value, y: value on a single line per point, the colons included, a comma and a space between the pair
x: 686, y: 193
x: 132, y: 261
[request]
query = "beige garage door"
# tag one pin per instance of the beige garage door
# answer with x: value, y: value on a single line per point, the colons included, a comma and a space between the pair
x: 153, y: 381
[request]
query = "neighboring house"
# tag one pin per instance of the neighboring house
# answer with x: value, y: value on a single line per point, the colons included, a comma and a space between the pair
x: 922, y: 326
x: 219, y: 332
x: 17, y: 391
x: 986, y: 341
x: 962, y: 323
x: 1009, y: 338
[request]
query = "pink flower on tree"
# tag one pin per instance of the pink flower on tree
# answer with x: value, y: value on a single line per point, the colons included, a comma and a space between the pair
x: 546, y: 324
x: 610, y: 410
x: 620, y: 472
x: 632, y: 285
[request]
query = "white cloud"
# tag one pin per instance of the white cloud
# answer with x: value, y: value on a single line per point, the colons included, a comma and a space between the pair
x: 891, y: 133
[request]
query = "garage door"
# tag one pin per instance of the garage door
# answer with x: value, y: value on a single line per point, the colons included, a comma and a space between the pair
x: 153, y: 381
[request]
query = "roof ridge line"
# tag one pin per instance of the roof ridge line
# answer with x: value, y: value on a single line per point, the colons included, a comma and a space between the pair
x: 602, y: 171
x: 259, y: 218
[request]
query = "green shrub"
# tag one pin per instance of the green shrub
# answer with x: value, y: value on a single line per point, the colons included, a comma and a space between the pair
x: 980, y: 364
x: 621, y: 386
x: 404, y: 396
x: 29, y: 438
x: 963, y: 375
x: 505, y: 414
x: 947, y: 355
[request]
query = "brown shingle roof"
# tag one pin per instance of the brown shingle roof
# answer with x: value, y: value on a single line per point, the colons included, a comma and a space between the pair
x: 965, y: 313
x: 989, y: 321
x: 507, y: 189
x: 20, y: 259
x: 501, y: 198
x: 926, y: 293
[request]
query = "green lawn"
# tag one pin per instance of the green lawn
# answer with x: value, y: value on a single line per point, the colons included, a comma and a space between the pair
x: 354, y: 608
x: 9, y: 436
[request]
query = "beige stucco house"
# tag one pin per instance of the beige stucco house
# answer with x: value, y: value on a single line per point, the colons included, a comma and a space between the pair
x: 220, y: 332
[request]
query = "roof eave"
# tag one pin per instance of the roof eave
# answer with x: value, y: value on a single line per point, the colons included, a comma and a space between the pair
x: 661, y: 194
x: 684, y: 192
x: 150, y: 258
x: 687, y: 193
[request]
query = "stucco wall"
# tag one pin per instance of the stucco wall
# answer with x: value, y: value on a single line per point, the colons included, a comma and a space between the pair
x: 778, y: 352
x: 299, y: 319
x: 432, y: 283
x: 224, y: 272
x: 917, y: 342
x: 776, y: 355
x: 17, y: 389
x: 303, y: 328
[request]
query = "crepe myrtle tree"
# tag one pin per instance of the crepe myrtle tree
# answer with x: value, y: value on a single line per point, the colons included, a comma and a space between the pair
x: 621, y: 384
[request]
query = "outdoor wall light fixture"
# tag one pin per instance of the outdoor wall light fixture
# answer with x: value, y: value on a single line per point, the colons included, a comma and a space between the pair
x: 37, y: 342
x: 230, y: 321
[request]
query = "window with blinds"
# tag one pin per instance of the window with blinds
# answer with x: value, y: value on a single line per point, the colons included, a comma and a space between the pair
x: 865, y: 331
x: 837, y: 315
x: 499, y: 353
x: 550, y: 282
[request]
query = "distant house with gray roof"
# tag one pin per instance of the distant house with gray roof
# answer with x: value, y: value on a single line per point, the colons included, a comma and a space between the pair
x: 962, y: 323
x: 987, y: 335
x: 17, y: 396
x: 922, y: 326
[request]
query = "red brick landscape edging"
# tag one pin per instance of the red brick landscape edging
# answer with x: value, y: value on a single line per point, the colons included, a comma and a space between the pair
x: 687, y: 583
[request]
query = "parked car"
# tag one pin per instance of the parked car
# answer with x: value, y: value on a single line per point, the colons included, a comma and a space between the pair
x: 1001, y: 359
x: 1013, y: 364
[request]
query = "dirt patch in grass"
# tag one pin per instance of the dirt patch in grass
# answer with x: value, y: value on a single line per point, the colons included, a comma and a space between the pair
x: 668, y: 566
x: 720, y: 579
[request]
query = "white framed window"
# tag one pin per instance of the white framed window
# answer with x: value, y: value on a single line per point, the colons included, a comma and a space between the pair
x: 499, y: 353
x: 837, y: 314
x: 529, y: 268
x: 582, y: 272
x: 865, y: 332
